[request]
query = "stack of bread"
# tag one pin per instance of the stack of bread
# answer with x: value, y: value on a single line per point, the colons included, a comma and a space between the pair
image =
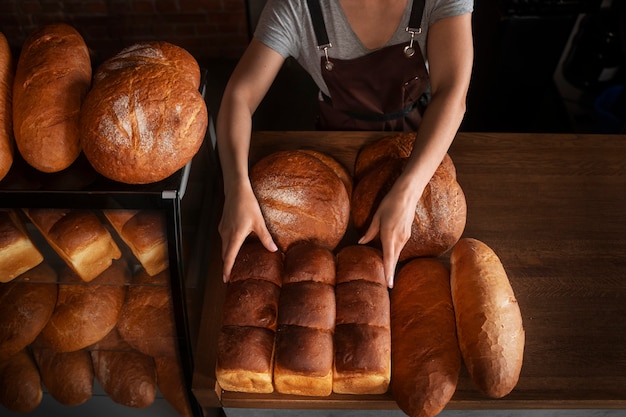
x: 19, y: 253
x: 306, y: 322
x: 245, y: 350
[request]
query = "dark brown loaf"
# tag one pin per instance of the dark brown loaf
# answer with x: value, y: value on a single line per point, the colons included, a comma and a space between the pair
x: 18, y: 253
x: 395, y: 146
x: 171, y: 383
x: 425, y: 355
x: 251, y: 302
x: 307, y: 304
x: 52, y: 77
x: 79, y: 237
x: 85, y: 313
x: 129, y: 378
x: 489, y: 321
x: 339, y: 170
x: 7, y: 72
x: 146, y: 321
x: 301, y: 199
x: 26, y: 305
x: 360, y: 262
x: 68, y: 376
x: 362, y: 302
x: 144, y: 232
x: 254, y: 261
x: 245, y: 359
x: 20, y: 383
x: 307, y: 261
x: 440, y: 214
x: 144, y: 118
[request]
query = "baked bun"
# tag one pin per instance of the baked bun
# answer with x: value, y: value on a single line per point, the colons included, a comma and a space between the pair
x: 301, y: 198
x: 245, y: 344
x: 144, y: 118
x: 20, y: 383
x: 145, y: 234
x: 7, y: 72
x: 147, y: 318
x: 26, y: 305
x: 79, y: 237
x: 52, y: 78
x: 85, y: 313
x: 18, y: 253
x: 424, y: 348
x: 67, y: 376
x: 309, y: 262
x: 397, y: 146
x: 440, y: 214
x: 362, y: 362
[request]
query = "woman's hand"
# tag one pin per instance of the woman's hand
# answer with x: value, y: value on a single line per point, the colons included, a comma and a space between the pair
x: 241, y: 218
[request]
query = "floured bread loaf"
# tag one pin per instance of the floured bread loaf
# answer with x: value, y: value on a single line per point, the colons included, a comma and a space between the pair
x: 7, y: 141
x: 245, y: 345
x: 306, y: 323
x: 144, y: 118
x: 440, y: 214
x: 85, y: 313
x: 340, y: 170
x: 18, y: 253
x: 362, y: 362
x: 52, y: 78
x: 145, y: 234
x: 301, y: 198
x: 79, y: 237
x: 26, y: 305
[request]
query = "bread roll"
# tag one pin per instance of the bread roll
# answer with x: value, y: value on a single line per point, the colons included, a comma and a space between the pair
x: 68, y: 376
x: 78, y: 237
x: 245, y: 348
x: 18, y: 253
x: 147, y: 318
x: 85, y: 313
x: 52, y: 77
x: 144, y: 118
x: 7, y: 72
x: 301, y: 199
x: 253, y: 261
x: 20, y: 383
x: 362, y: 334
x: 128, y: 378
x: 425, y: 353
x: 306, y: 322
x: 171, y: 383
x: 26, y: 305
x: 440, y: 214
x: 145, y: 234
x: 489, y: 321
x: 245, y: 359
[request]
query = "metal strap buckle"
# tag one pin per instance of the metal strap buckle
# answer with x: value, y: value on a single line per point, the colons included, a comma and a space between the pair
x: 409, y: 50
x: 328, y: 65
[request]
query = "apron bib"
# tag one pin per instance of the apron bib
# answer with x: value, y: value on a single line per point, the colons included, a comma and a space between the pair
x: 381, y: 91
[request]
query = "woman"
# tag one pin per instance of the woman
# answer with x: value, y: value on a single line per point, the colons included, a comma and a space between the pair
x: 380, y: 65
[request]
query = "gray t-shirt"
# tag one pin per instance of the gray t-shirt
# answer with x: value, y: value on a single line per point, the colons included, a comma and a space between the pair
x: 285, y: 26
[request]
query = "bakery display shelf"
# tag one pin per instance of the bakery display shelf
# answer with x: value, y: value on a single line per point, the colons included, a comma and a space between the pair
x: 552, y: 207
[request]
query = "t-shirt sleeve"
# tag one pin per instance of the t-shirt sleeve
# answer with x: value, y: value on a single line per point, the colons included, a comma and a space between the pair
x: 450, y: 8
x: 280, y: 25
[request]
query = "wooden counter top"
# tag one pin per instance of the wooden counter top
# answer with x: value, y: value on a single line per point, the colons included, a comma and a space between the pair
x: 553, y: 207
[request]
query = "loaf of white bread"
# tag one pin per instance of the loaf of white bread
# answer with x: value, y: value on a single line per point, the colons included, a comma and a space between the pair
x: 145, y: 234
x: 303, y: 363
x: 79, y: 237
x: 363, y: 330
x: 52, y: 78
x: 424, y: 348
x: 26, y: 305
x: 18, y: 253
x: 245, y: 346
x: 7, y: 72
x: 85, y: 313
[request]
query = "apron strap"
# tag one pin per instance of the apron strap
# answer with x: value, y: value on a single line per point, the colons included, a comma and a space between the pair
x: 415, y: 20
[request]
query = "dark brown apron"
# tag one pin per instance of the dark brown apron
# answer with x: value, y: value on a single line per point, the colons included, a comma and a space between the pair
x: 381, y: 91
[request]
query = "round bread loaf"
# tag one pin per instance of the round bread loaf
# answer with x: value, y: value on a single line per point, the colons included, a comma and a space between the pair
x: 52, y: 77
x: 301, y: 198
x: 7, y: 72
x: 440, y: 214
x: 144, y: 117
x: 85, y: 313
x: 147, y: 318
x: 396, y: 146
x: 26, y: 305
x: 341, y: 171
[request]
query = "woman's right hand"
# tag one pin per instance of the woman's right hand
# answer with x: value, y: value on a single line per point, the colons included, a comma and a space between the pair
x: 241, y: 218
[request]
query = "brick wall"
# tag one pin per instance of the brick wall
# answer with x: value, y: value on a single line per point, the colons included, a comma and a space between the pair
x: 208, y: 29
